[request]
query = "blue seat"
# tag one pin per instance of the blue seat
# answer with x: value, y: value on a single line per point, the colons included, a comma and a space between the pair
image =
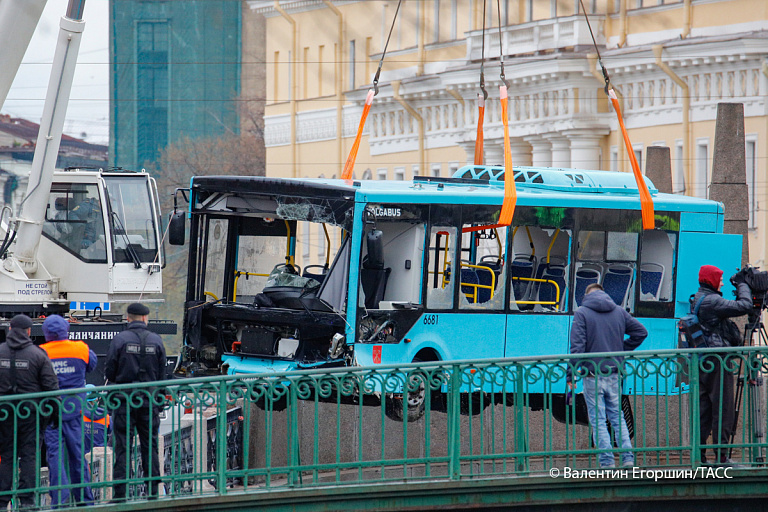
x: 651, y: 277
x: 468, y: 278
x: 485, y: 277
x: 547, y: 291
x: 584, y: 278
x: 522, y: 267
x: 617, y: 282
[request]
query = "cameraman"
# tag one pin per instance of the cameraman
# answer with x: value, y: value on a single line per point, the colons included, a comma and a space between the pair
x: 716, y: 374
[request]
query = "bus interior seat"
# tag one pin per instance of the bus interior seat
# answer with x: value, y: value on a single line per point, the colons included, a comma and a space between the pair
x: 651, y: 277
x: 523, y: 267
x: 557, y: 262
x: 547, y: 292
x: 469, y: 278
x: 485, y: 277
x: 616, y: 282
x: 493, y: 262
x: 317, y: 276
x: 584, y: 278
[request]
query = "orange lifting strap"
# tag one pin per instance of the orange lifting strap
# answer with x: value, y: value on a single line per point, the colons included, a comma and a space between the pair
x: 646, y: 203
x: 479, y: 139
x: 510, y: 192
x: 350, y: 164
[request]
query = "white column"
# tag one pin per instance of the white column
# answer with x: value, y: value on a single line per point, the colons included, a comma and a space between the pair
x: 585, y: 148
x: 561, y: 150
x: 541, y: 151
x: 494, y: 152
x: 521, y: 152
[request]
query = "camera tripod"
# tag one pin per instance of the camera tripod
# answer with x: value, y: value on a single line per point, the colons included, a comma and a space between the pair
x: 751, y: 377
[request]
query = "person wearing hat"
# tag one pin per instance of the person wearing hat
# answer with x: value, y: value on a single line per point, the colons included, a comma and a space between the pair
x: 136, y: 355
x: 24, y: 368
x: 64, y: 446
x: 716, y: 401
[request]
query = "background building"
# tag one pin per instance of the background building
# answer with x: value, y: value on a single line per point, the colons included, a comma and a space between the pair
x: 671, y: 61
x: 176, y: 72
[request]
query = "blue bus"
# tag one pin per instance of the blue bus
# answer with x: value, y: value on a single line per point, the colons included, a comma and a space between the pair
x: 289, y: 274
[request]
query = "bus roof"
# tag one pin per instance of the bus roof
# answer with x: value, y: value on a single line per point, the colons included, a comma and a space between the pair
x: 472, y: 185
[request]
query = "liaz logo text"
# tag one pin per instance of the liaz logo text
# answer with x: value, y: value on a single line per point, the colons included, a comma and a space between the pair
x: 380, y: 211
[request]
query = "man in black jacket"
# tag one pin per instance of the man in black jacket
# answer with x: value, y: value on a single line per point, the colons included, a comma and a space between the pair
x: 715, y: 372
x: 136, y: 355
x: 24, y: 368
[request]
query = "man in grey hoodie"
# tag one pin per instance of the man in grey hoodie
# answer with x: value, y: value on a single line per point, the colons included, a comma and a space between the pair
x: 599, y: 325
x: 24, y: 368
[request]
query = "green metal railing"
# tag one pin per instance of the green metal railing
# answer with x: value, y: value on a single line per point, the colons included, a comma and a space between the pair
x: 347, y: 426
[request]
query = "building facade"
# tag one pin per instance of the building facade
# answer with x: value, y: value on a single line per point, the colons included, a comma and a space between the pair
x: 671, y: 61
x: 175, y: 72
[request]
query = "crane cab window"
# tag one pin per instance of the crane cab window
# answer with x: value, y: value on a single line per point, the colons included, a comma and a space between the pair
x: 75, y: 222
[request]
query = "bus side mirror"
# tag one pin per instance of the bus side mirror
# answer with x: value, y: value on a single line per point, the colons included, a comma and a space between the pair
x: 177, y: 228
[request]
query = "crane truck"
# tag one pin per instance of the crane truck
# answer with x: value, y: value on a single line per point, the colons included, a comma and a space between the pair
x: 82, y: 239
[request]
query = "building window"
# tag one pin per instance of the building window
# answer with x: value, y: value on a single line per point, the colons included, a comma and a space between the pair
x: 352, y: 64
x: 701, y: 183
x: 367, y: 174
x: 529, y: 10
x: 678, y: 182
x: 638, y: 150
x: 381, y: 173
x: 614, y: 158
x: 276, y: 78
x: 436, y: 12
x: 400, y: 173
x: 553, y: 8
x: 453, y: 167
x: 305, y: 92
x: 320, y: 70
x: 152, y: 83
x: 751, y: 161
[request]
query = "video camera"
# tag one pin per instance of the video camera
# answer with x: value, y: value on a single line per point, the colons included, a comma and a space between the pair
x: 757, y: 280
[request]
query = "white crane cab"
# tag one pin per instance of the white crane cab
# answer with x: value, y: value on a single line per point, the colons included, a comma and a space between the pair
x: 101, y: 243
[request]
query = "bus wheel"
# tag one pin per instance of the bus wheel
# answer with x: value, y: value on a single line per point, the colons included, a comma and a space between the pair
x: 414, y: 402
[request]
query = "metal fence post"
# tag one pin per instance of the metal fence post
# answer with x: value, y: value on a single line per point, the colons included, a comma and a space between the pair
x: 454, y: 434
x: 221, y: 439
x: 693, y: 367
x: 521, y: 463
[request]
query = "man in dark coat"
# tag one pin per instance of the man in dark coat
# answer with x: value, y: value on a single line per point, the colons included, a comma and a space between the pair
x: 24, y: 368
x: 136, y: 355
x: 715, y: 371
x: 599, y: 325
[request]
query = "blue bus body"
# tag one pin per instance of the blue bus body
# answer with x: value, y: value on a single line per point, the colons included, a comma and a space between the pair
x: 389, y: 293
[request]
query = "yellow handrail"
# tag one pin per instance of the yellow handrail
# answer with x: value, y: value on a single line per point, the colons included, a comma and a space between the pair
x: 209, y: 294
x: 327, y: 246
x: 549, y: 249
x: 476, y: 286
x: 239, y: 273
x: 288, y: 256
x: 555, y: 303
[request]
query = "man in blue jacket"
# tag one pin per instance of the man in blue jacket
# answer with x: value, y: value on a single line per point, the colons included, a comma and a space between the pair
x: 599, y: 325
x: 64, y: 447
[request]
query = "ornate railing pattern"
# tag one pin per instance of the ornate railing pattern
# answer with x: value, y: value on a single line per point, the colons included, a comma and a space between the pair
x: 347, y: 426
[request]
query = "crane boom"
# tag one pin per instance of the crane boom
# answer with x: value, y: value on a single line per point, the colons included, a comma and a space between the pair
x: 18, y: 19
x: 32, y: 210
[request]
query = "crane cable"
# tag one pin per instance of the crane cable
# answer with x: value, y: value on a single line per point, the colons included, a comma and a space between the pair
x: 510, y: 192
x: 350, y: 163
x: 479, y: 160
x: 646, y: 202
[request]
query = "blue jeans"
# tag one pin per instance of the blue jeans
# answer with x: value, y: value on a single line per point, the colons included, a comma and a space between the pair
x: 604, y: 392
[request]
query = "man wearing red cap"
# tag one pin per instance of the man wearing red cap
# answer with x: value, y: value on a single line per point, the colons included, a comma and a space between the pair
x: 716, y: 401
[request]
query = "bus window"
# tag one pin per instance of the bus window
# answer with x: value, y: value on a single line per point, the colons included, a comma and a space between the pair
x: 257, y: 257
x: 392, y: 274
x: 657, y: 268
x: 215, y: 258
x: 539, y: 269
x: 442, y: 260
x: 483, y: 273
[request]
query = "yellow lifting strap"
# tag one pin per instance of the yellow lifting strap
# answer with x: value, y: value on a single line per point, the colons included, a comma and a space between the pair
x: 646, y: 202
x: 350, y: 164
x: 510, y: 192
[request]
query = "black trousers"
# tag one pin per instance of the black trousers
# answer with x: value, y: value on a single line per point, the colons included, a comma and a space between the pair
x: 716, y: 403
x: 145, y: 422
x: 24, y: 434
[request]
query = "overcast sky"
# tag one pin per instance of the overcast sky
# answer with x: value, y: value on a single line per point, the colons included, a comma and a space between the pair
x: 88, y: 111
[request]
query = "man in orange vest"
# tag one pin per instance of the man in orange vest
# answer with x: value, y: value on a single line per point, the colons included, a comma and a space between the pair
x: 71, y: 360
